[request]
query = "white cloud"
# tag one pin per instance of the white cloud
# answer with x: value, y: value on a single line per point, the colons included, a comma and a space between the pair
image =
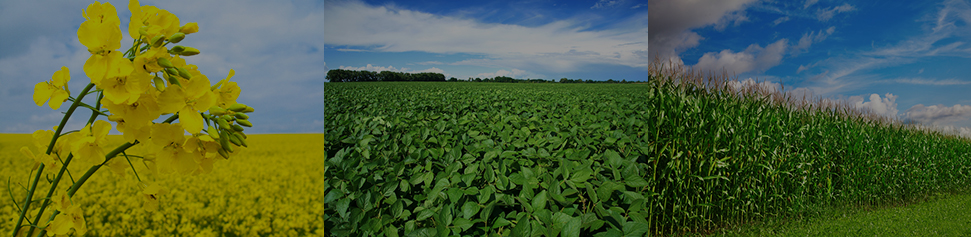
x: 549, y: 46
x: 811, y: 37
x: 754, y: 58
x: 938, y: 114
x: 764, y: 86
x: 605, y: 4
x: 671, y: 27
x: 925, y: 81
x: 780, y: 20
x: 638, y: 6
x: 809, y: 3
x: 430, y: 63
x: 828, y: 13
x: 885, y: 106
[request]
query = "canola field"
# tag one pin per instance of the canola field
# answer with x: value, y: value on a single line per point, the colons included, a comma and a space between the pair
x: 268, y: 189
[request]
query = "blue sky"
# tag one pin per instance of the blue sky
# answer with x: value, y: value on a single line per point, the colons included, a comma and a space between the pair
x: 903, y: 59
x: 275, y: 47
x: 588, y: 39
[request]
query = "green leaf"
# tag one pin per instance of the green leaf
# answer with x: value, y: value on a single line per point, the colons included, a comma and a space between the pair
x: 396, y: 209
x: 342, y: 206
x: 572, y: 227
x: 390, y: 231
x: 539, y: 201
x: 635, y: 181
x: 517, y: 178
x: 462, y: 223
x: 454, y: 194
x: 635, y: 228
x: 522, y: 227
x: 613, y: 158
x: 468, y: 178
x: 425, y: 214
x: 489, y: 155
x: 469, y: 209
x: 582, y: 175
x: 500, y: 222
x: 389, y: 188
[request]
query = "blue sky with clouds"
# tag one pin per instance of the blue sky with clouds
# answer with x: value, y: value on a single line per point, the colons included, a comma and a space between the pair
x: 275, y: 47
x: 903, y: 59
x: 549, y: 39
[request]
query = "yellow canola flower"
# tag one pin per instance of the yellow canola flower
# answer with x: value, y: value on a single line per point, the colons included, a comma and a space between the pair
x: 148, y: 61
x: 172, y: 157
x: 42, y: 158
x: 150, y: 195
x: 55, y: 90
x: 228, y: 92
x: 206, y: 149
x: 133, y: 119
x: 127, y: 86
x: 65, y: 221
x: 102, y: 35
x: 89, y: 146
x: 157, y: 22
x: 188, y: 99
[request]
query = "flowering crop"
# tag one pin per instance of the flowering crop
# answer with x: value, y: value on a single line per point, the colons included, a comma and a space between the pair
x: 268, y: 189
x: 131, y: 88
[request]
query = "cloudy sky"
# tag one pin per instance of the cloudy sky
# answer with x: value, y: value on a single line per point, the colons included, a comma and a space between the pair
x: 549, y: 39
x: 275, y: 47
x: 904, y: 59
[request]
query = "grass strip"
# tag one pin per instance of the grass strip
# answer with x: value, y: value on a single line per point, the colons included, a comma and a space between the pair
x: 941, y: 215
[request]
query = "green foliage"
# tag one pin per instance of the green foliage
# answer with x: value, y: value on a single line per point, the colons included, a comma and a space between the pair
x: 474, y: 159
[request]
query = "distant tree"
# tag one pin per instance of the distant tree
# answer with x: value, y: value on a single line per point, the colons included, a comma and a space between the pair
x: 453, y: 79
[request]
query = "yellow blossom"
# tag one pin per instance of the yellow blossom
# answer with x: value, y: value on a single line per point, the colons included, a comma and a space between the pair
x: 55, y: 90
x: 65, y: 221
x: 89, y: 147
x: 125, y: 86
x: 172, y: 157
x: 190, y: 98
x: 133, y: 119
x: 228, y: 92
x: 42, y: 158
x: 151, y: 194
x: 190, y: 28
x: 157, y: 21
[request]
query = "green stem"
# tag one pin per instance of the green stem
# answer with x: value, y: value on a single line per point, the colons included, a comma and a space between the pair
x: 40, y: 168
x: 74, y: 188
x: 57, y: 179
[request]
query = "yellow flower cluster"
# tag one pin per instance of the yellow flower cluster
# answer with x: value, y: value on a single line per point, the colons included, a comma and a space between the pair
x: 271, y: 188
x: 149, y: 80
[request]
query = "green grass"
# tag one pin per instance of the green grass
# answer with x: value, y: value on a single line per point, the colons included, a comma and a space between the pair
x: 944, y: 215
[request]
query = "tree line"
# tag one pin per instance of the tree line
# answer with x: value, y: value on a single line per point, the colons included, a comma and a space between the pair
x: 343, y: 75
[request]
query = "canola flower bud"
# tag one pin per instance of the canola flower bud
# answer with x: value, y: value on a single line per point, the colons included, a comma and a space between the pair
x: 177, y: 49
x: 164, y: 62
x: 222, y: 123
x: 184, y: 73
x: 177, y: 37
x: 227, y: 118
x: 241, y: 116
x: 242, y: 140
x: 248, y: 110
x: 172, y: 79
x: 224, y: 141
x: 237, y: 107
x: 172, y: 71
x: 143, y: 30
x: 189, y: 28
x: 189, y: 51
x: 216, y: 110
x: 213, y: 133
x: 235, y: 140
x: 223, y: 153
x: 237, y: 128
x: 244, y: 122
x: 157, y: 41
x: 214, y: 87
x: 159, y: 84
